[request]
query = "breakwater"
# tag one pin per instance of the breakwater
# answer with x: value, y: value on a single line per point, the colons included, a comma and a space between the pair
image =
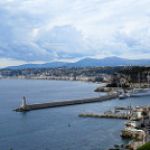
x: 29, y: 107
x: 109, y: 116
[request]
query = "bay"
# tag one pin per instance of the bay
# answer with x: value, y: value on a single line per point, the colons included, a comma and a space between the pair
x: 57, y: 128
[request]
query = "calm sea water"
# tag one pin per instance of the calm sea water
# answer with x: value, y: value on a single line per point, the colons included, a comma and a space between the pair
x: 56, y: 128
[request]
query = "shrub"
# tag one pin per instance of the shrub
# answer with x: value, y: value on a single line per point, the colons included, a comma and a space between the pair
x: 145, y: 147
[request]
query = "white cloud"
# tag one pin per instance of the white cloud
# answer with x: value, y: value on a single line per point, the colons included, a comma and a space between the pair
x: 4, y: 62
x: 45, y: 30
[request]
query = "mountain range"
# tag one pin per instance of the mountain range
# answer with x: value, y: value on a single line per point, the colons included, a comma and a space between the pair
x: 88, y: 62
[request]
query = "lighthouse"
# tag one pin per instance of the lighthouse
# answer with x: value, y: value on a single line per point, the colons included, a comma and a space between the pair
x: 24, y: 103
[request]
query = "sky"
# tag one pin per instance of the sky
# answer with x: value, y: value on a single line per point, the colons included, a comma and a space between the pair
x: 39, y: 31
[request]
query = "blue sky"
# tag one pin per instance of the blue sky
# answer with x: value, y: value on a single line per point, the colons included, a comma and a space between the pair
x: 38, y: 31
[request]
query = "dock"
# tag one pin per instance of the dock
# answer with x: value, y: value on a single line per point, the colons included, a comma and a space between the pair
x: 28, y: 107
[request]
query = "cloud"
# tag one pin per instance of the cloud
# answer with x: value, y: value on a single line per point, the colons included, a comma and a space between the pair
x: 44, y: 30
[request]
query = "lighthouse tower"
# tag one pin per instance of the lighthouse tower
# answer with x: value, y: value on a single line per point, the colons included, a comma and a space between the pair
x: 24, y: 103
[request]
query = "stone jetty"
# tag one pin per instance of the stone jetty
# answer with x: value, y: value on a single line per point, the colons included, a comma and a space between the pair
x: 29, y: 107
x: 109, y: 116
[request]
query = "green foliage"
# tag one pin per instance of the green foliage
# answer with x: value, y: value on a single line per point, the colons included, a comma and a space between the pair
x: 145, y: 147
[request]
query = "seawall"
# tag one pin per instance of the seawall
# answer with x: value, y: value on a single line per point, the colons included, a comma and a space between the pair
x: 30, y: 107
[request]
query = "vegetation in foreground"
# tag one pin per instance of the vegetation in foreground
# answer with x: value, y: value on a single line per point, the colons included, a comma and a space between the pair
x: 145, y: 147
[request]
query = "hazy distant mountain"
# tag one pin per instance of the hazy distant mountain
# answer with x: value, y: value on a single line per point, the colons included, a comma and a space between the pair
x: 47, y: 65
x: 110, y: 61
x: 88, y: 62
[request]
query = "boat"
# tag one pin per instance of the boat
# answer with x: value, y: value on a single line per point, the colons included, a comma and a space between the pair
x: 124, y: 95
x: 140, y: 92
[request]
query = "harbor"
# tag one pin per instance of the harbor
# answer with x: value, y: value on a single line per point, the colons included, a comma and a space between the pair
x: 136, y: 118
x: 136, y: 127
x: 123, y: 89
x: 64, y: 120
x: 74, y: 75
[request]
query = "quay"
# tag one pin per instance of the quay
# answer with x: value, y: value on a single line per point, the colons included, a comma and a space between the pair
x: 117, y: 113
x: 109, y: 116
x: 29, y: 107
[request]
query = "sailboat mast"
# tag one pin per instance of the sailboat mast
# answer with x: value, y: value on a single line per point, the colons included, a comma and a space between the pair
x: 139, y: 79
x: 148, y: 79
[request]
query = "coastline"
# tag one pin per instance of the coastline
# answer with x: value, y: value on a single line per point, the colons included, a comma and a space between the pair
x: 50, y: 78
x: 55, y: 114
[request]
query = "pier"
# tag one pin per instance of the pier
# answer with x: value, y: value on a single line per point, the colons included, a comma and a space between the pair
x: 29, y: 107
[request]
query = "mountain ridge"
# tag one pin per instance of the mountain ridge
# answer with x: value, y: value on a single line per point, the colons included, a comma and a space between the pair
x: 88, y: 62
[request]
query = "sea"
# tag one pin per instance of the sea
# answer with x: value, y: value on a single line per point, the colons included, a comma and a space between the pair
x: 57, y: 128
